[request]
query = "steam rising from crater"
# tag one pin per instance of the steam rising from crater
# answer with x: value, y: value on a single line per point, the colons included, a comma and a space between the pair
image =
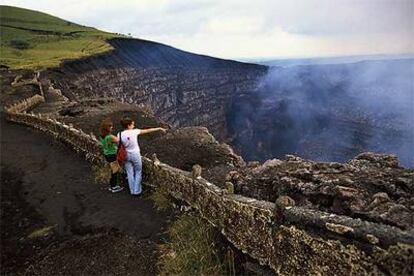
x: 328, y: 112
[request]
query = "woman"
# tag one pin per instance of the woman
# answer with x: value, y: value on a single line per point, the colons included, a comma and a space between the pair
x: 133, y: 164
x: 109, y: 145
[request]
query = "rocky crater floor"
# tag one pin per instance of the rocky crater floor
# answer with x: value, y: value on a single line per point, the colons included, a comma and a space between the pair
x: 371, y: 186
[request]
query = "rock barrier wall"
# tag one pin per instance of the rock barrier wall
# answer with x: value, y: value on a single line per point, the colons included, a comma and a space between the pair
x: 291, y: 240
x: 26, y: 104
x: 19, y: 81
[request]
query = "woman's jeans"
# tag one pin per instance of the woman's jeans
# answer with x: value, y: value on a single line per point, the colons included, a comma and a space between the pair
x: 133, y: 167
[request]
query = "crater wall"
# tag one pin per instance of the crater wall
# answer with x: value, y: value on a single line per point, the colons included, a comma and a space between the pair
x: 181, y: 88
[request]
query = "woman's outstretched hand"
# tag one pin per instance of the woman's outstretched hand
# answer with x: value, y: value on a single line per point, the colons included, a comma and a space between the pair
x: 150, y: 130
x: 163, y: 130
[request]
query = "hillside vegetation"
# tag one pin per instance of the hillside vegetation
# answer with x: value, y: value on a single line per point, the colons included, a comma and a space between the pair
x: 35, y: 40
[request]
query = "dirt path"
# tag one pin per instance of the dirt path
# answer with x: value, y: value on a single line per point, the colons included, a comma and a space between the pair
x: 57, y: 186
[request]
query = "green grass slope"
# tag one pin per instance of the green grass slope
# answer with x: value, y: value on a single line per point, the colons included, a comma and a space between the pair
x: 35, y: 40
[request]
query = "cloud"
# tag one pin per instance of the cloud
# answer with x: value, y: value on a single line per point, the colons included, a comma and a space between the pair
x: 237, y: 28
x: 233, y: 25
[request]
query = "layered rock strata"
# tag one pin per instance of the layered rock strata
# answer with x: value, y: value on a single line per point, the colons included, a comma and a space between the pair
x: 181, y: 88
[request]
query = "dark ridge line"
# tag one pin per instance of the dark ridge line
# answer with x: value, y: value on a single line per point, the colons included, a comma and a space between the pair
x: 143, y: 54
x: 184, y: 51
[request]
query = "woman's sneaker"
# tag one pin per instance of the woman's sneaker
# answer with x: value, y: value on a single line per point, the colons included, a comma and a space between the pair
x: 116, y: 189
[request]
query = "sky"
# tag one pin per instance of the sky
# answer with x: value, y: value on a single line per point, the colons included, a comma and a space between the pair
x: 250, y: 29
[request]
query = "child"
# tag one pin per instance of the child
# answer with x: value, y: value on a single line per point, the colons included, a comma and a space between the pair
x: 109, y: 145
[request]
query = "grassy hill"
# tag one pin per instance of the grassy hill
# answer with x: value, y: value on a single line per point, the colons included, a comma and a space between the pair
x: 35, y: 40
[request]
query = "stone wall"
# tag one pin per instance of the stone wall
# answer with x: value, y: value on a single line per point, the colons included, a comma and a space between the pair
x: 25, y: 104
x: 291, y: 240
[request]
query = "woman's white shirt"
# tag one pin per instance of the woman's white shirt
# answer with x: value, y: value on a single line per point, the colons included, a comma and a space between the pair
x: 129, y: 139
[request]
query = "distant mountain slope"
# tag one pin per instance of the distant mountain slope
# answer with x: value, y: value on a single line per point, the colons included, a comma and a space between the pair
x: 35, y: 40
x: 32, y: 39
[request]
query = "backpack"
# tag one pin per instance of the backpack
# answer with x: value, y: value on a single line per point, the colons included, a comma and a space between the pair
x: 121, y: 154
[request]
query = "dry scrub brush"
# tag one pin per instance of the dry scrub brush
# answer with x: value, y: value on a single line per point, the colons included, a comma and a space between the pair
x: 193, y: 249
